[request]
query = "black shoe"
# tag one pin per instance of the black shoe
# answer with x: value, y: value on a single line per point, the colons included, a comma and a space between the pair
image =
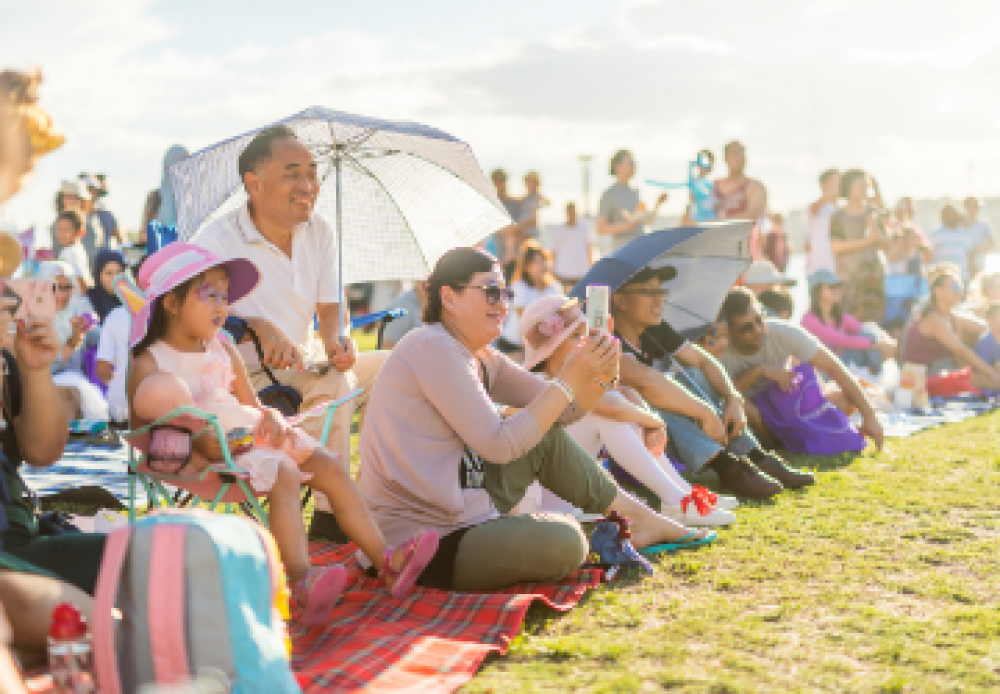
x: 770, y: 463
x: 325, y: 528
x: 742, y: 478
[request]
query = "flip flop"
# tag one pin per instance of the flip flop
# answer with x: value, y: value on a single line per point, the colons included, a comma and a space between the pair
x: 680, y: 543
x: 419, y: 550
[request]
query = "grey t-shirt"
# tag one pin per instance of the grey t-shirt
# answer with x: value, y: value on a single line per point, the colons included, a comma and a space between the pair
x: 783, y: 340
x: 529, y: 203
x: 615, y: 201
x: 396, y: 329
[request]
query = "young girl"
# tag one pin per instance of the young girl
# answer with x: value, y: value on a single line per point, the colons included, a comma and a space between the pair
x: 532, y: 279
x: 179, y: 359
x: 631, y: 434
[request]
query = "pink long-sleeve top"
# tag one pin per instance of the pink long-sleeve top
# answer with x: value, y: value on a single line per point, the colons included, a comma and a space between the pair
x: 427, y: 404
x: 837, y: 339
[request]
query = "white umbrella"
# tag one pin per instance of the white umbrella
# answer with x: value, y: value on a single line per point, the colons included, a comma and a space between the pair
x: 399, y: 194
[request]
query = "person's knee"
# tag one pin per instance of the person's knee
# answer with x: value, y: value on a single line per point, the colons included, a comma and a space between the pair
x: 326, y: 465
x: 160, y: 393
x: 565, y: 547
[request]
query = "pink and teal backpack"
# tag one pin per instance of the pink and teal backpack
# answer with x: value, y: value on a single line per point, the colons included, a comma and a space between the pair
x: 199, y: 592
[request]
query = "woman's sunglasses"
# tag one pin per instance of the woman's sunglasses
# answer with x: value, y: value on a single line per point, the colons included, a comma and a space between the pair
x: 494, y: 293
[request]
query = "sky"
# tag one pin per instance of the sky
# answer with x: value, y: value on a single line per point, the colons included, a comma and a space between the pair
x: 905, y: 89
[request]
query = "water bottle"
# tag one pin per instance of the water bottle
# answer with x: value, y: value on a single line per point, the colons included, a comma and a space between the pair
x: 71, y: 661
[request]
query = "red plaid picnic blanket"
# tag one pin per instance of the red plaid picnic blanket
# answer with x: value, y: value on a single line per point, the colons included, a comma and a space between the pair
x: 428, y: 640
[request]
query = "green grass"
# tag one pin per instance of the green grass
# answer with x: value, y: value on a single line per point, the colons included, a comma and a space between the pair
x: 881, y: 578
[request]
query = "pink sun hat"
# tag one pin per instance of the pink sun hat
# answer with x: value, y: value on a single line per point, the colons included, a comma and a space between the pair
x: 545, y: 324
x: 170, y: 267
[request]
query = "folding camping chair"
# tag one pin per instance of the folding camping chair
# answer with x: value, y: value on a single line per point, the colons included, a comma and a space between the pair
x: 220, y: 483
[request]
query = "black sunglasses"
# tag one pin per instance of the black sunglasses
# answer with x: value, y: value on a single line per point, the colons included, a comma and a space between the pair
x: 494, y: 292
x: 747, y: 328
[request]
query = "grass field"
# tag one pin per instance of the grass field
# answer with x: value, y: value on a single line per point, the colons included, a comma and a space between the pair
x: 881, y: 578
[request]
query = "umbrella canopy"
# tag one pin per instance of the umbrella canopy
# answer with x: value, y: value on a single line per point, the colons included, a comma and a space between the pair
x: 707, y: 258
x: 400, y: 194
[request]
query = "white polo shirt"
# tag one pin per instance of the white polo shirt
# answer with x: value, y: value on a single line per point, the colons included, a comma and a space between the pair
x: 290, y: 288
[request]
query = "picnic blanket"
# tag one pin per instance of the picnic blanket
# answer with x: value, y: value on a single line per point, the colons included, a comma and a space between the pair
x: 85, y: 464
x: 428, y: 640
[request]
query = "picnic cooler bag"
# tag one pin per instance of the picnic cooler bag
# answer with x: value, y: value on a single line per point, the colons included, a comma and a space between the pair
x: 200, y: 593
x: 804, y: 420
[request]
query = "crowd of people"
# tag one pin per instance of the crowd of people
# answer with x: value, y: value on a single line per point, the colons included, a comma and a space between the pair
x: 493, y: 421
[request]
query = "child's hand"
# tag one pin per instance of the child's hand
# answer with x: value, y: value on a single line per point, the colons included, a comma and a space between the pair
x: 272, y: 428
x: 656, y: 441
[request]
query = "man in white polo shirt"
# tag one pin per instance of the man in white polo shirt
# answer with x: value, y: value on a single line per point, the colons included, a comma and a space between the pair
x: 296, y: 252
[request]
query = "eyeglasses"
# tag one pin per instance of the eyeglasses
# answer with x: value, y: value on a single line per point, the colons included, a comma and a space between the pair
x: 747, y: 328
x: 494, y: 292
x: 657, y: 293
x: 64, y: 287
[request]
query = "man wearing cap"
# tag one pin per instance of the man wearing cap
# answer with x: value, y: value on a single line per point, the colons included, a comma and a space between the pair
x: 296, y: 252
x: 760, y: 349
x: 699, y: 437
x: 102, y: 225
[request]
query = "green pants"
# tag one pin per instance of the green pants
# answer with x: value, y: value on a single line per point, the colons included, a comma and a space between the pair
x: 535, y: 548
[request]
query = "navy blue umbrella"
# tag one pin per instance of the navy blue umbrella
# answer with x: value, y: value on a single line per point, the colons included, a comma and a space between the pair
x: 706, y: 259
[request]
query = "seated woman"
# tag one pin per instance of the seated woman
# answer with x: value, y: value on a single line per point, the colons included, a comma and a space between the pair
x: 73, y: 325
x: 984, y: 290
x: 842, y: 333
x: 532, y: 279
x: 436, y: 453
x: 620, y: 423
x: 939, y: 336
x: 101, y: 298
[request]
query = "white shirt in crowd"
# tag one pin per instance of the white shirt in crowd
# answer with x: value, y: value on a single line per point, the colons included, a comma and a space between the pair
x: 290, y: 288
x: 571, y: 247
x: 524, y: 296
x: 76, y: 256
x: 113, y: 349
x: 820, y: 252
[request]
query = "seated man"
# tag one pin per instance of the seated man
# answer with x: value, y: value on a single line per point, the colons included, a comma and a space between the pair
x: 698, y: 436
x: 296, y: 251
x: 759, y: 352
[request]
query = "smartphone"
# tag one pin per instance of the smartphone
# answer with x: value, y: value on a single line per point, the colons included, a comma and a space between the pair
x: 597, y: 308
x: 35, y: 299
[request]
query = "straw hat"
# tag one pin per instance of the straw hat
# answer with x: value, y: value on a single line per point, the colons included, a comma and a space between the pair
x: 545, y: 324
x: 10, y: 254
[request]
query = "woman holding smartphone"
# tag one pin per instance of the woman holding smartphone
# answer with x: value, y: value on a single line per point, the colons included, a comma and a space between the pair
x: 437, y: 454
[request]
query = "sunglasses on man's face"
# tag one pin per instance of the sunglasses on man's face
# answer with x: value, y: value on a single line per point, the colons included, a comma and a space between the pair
x: 494, y: 293
x: 747, y: 328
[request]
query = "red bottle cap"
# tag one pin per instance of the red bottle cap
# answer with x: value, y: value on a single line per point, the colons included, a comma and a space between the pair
x: 67, y: 623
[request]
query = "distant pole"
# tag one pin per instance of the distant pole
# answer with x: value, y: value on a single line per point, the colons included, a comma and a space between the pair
x: 585, y: 160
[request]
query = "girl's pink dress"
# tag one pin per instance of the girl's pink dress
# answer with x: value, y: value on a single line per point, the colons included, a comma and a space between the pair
x: 209, y: 376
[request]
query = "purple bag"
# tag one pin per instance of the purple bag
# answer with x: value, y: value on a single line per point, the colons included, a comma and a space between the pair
x: 804, y: 420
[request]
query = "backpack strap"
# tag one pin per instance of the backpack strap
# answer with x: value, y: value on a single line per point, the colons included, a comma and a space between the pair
x: 102, y: 623
x: 167, y: 635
